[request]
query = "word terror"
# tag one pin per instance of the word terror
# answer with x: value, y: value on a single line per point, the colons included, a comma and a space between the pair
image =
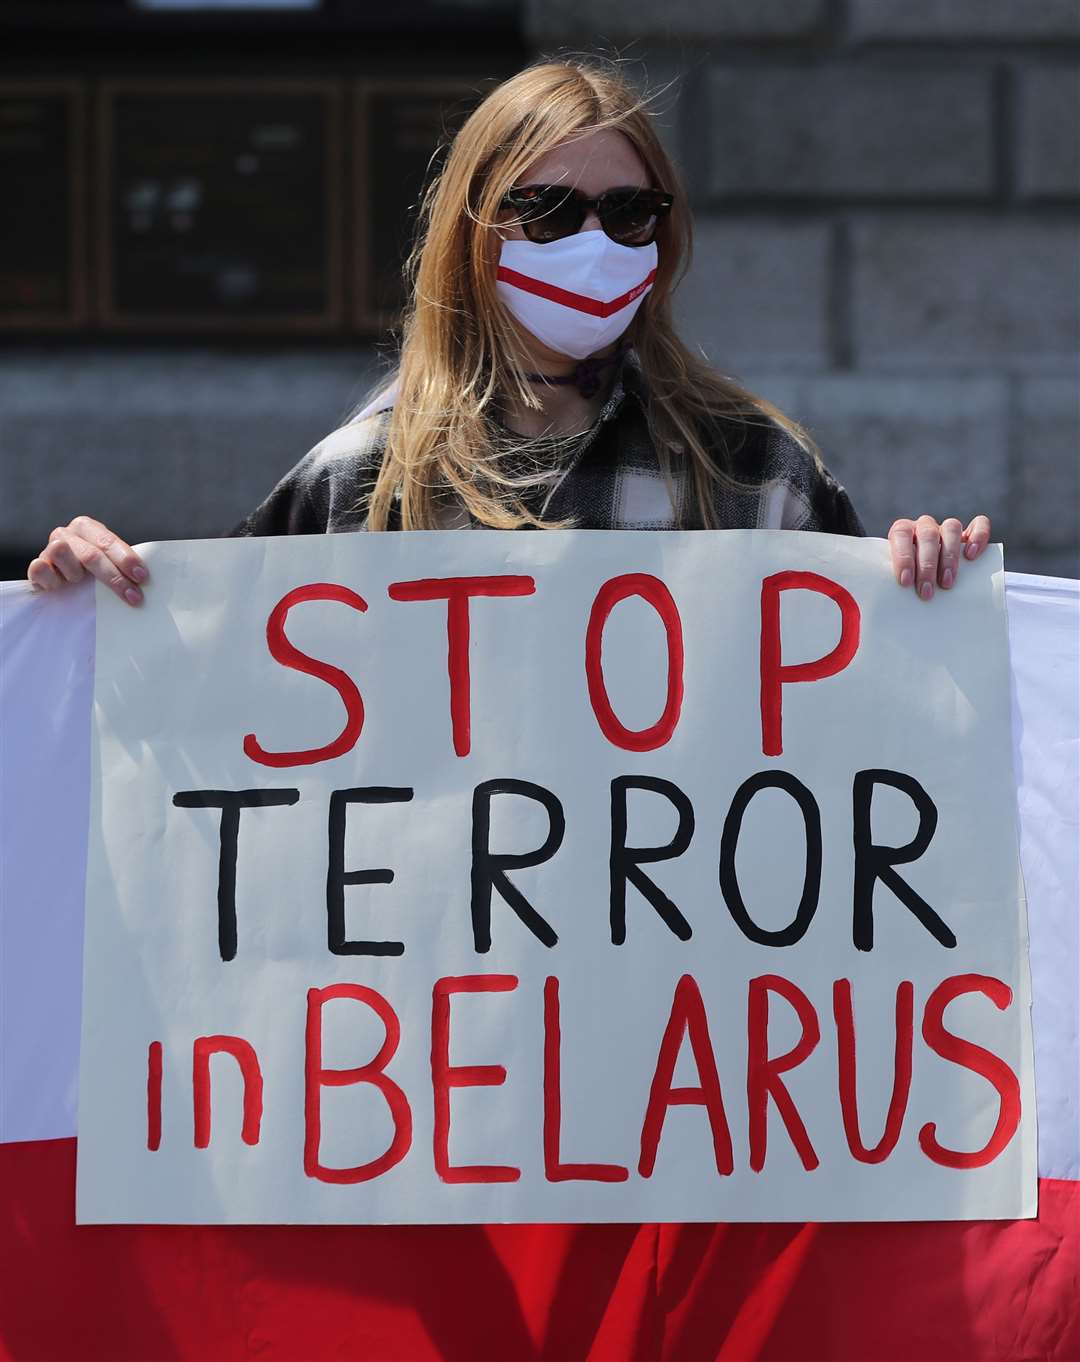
x: 873, y: 861
x: 687, y: 1028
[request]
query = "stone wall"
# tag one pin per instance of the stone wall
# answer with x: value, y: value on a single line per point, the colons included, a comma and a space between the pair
x: 160, y: 443
x: 887, y: 209
x: 887, y: 234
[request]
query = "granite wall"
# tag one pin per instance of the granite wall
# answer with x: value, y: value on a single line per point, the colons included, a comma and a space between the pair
x: 887, y: 209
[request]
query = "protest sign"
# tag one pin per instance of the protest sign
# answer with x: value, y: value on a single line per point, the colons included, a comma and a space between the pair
x: 553, y: 877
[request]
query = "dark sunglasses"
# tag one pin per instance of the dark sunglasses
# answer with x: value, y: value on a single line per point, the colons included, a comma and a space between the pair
x: 549, y: 212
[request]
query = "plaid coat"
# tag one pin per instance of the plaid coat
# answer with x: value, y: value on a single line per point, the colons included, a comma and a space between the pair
x: 607, y: 477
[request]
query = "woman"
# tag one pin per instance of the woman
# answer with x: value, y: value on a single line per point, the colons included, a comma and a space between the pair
x: 541, y: 382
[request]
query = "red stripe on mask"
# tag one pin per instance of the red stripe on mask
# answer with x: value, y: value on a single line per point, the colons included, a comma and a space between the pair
x: 579, y: 301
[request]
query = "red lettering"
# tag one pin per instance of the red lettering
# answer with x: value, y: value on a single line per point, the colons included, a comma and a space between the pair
x: 153, y: 1096
x: 653, y: 590
x: 316, y: 1078
x: 763, y: 1073
x: 554, y: 1169
x: 457, y: 592
x: 844, y: 1014
x: 971, y: 1056
x: 774, y: 674
x: 445, y: 1076
x: 242, y: 1051
x: 281, y: 650
x: 687, y: 1016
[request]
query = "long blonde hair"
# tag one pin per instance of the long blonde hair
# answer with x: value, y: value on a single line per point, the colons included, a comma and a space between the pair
x: 458, y: 349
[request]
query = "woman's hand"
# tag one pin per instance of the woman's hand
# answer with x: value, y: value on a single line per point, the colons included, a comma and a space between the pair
x: 87, y: 546
x: 925, y: 553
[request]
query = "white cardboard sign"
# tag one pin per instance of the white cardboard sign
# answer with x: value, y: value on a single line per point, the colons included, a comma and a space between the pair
x: 564, y: 876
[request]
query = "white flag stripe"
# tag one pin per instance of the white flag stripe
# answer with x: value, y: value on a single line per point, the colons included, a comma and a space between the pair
x: 46, y: 687
x: 1044, y: 647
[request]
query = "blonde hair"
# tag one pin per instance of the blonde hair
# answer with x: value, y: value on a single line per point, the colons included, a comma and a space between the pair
x: 459, y: 351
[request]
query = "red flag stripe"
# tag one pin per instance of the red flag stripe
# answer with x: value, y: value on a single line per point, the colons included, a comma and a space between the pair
x: 580, y: 301
x: 978, y: 1291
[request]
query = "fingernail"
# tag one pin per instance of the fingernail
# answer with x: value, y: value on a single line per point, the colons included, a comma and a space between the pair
x: 906, y: 577
x: 133, y: 594
x: 947, y: 578
x: 139, y: 573
x: 970, y: 550
x: 926, y: 591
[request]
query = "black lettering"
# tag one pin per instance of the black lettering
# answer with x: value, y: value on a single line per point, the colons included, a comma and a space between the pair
x: 729, y: 841
x: 489, y: 868
x: 873, y: 862
x: 230, y: 802
x: 625, y: 862
x: 337, y: 877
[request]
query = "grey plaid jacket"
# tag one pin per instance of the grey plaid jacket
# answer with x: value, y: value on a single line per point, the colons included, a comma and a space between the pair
x: 607, y: 477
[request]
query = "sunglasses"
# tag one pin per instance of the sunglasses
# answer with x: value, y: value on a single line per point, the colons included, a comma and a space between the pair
x: 549, y: 212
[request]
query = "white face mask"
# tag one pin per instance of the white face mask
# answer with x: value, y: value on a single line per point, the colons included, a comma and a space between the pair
x: 576, y: 294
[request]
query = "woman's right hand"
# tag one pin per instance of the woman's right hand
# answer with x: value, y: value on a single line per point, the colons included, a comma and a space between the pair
x: 87, y: 546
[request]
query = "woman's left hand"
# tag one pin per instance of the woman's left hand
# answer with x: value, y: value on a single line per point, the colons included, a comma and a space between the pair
x: 926, y: 554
